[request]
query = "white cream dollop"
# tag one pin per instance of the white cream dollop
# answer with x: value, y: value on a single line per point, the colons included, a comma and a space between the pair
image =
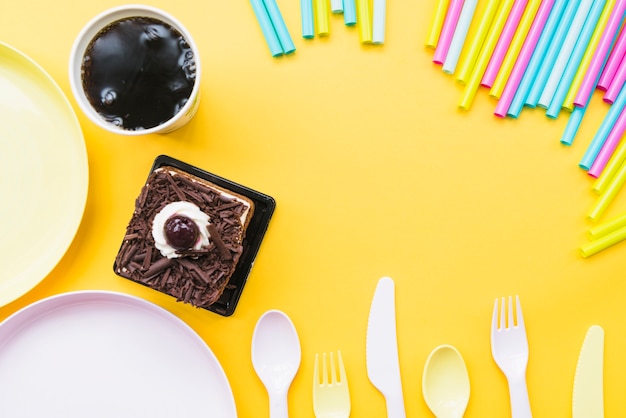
x: 188, y: 210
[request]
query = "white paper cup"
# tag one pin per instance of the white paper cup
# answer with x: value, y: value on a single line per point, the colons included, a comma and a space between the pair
x: 79, y: 49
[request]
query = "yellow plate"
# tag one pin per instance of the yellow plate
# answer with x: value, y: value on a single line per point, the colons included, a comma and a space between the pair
x: 43, y: 174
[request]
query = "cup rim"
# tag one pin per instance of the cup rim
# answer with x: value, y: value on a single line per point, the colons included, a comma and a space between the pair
x: 94, y: 26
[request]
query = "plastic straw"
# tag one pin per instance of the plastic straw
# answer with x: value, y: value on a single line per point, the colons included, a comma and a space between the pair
x: 602, y: 243
x: 528, y: 78
x: 573, y: 123
x: 586, y: 60
x: 600, y: 137
x: 615, y: 59
x: 609, y: 146
x: 336, y: 6
x: 515, y: 15
x: 378, y: 22
x: 599, y: 58
x: 607, y: 227
x: 615, y: 162
x: 447, y: 32
x: 308, y: 22
x: 609, y: 194
x: 460, y: 34
x: 565, y: 53
x: 485, y: 53
x: 553, y: 50
x: 476, y: 44
x: 365, y: 22
x: 271, y: 38
x: 279, y: 26
x: 349, y: 14
x: 322, y: 18
x: 616, y: 84
x: 435, y: 28
x: 512, y: 55
x: 575, y: 58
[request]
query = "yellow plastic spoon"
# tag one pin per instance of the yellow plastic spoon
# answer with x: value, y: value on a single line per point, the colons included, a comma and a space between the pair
x: 445, y: 383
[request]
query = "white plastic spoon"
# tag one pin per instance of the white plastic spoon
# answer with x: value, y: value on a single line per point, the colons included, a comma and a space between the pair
x: 276, y: 358
x: 445, y: 383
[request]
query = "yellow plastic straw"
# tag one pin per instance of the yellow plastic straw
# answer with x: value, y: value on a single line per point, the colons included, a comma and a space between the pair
x: 603, y: 242
x: 606, y: 228
x: 364, y: 21
x: 586, y: 60
x: 516, y: 45
x: 323, y: 21
x: 614, y: 163
x: 467, y: 65
x: 435, y: 29
x: 608, y: 196
x: 485, y: 55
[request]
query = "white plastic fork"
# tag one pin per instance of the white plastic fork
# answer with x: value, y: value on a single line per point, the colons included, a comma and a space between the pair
x: 509, y: 348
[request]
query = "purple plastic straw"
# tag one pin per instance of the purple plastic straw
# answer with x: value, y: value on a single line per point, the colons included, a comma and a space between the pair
x: 612, y: 140
x: 523, y: 58
x: 615, y: 59
x: 447, y: 31
x: 599, y: 57
x: 616, y: 84
x: 503, y: 43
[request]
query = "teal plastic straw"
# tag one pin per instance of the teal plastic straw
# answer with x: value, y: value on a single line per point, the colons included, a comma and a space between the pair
x: 576, y: 57
x: 573, y: 123
x: 537, y: 58
x: 279, y: 26
x: 552, y: 53
x: 460, y: 34
x: 308, y: 24
x: 266, y: 26
x: 565, y: 52
x: 349, y: 12
x: 605, y: 128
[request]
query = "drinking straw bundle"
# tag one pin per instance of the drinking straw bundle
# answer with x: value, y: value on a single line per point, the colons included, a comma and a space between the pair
x: 553, y: 54
x: 371, y: 22
x: 273, y: 26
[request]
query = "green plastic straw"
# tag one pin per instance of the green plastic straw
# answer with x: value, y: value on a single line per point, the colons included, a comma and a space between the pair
x: 606, y: 228
x: 602, y: 243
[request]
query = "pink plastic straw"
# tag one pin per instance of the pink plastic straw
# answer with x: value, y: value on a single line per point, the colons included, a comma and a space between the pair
x: 616, y: 84
x: 612, y: 140
x: 602, y: 51
x: 523, y: 58
x: 447, y: 31
x: 615, y: 59
x: 503, y: 43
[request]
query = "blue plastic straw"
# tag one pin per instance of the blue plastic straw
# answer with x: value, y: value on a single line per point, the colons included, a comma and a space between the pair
x: 308, y: 23
x: 460, y: 34
x: 573, y: 123
x: 565, y: 53
x: 349, y: 12
x: 265, y: 22
x: 551, y: 55
x: 576, y: 57
x: 537, y: 58
x: 605, y: 129
x: 279, y: 26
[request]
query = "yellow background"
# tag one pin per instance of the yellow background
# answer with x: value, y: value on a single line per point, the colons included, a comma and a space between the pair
x: 375, y: 172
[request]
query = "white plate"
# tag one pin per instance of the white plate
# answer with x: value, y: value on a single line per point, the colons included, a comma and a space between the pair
x: 105, y: 354
x: 43, y: 174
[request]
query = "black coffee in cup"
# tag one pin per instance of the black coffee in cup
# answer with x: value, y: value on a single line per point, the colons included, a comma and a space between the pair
x: 138, y: 72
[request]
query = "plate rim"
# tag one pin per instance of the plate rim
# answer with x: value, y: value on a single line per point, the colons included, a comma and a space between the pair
x: 18, y: 285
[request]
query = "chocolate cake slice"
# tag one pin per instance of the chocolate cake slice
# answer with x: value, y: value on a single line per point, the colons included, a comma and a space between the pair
x: 200, y: 227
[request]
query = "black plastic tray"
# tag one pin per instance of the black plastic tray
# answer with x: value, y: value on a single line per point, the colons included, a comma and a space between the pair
x: 263, y: 209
